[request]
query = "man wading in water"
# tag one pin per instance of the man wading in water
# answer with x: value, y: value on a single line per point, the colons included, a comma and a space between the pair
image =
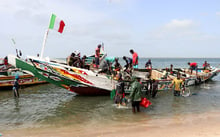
x: 177, y: 82
x: 120, y: 91
x: 16, y: 86
x: 135, y: 94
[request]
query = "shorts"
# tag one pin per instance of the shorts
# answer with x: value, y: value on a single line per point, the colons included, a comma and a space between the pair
x: 135, y: 66
x: 176, y: 93
x: 97, y: 61
x: 193, y: 67
x: 135, y: 103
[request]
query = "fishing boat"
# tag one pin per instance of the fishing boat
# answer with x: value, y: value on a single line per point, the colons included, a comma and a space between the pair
x: 8, y: 74
x: 78, y: 80
x: 189, y: 78
x: 89, y: 82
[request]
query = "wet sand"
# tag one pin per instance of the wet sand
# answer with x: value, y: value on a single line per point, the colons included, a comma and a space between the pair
x: 191, y: 125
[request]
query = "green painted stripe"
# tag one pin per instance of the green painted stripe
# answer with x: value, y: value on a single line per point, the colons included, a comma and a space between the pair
x: 52, y: 21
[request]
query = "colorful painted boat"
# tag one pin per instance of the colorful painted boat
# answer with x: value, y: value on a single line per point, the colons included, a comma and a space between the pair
x: 87, y: 82
x: 190, y: 79
x: 80, y: 81
x: 7, y: 78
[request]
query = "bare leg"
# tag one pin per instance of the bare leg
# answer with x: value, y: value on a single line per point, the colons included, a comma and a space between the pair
x: 138, y: 108
x: 133, y: 109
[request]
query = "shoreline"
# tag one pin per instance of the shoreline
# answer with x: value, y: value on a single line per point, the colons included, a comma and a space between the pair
x: 193, y: 125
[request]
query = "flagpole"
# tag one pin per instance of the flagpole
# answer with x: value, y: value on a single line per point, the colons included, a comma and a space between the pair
x: 44, y: 42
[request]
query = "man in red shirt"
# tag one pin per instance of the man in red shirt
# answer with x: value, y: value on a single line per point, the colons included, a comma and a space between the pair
x: 134, y: 58
x: 193, y: 66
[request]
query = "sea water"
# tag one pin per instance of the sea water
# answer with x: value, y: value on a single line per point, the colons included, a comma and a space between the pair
x: 48, y: 105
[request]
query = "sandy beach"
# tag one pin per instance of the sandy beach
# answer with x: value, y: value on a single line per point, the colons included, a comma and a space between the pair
x: 192, y: 125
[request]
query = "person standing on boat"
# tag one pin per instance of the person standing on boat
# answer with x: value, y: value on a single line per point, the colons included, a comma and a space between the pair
x: 193, y: 66
x: 97, y: 56
x: 16, y: 86
x: 135, y: 94
x: 206, y: 66
x: 177, y: 83
x: 148, y: 65
x: 134, y: 59
x: 171, y: 69
x: 120, y: 91
x: 128, y: 64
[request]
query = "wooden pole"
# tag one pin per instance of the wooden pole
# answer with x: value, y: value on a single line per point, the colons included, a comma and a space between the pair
x: 44, y: 42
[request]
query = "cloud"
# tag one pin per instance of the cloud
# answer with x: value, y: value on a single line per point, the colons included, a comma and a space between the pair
x: 181, y: 38
x: 218, y: 13
x: 179, y: 24
x: 175, y: 29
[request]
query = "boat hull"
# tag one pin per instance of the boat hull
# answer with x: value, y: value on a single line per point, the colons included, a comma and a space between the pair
x: 86, y: 82
x: 90, y: 91
x: 24, y: 80
x: 81, y: 84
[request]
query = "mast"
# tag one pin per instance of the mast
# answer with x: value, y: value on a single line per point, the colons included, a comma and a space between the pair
x: 44, y: 42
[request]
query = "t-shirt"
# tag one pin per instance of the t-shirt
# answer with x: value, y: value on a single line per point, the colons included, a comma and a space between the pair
x: 135, y: 57
x: 193, y: 64
x: 148, y: 63
x: 177, y: 83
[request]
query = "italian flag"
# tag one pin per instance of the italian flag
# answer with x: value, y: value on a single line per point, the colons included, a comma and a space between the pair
x: 56, y: 23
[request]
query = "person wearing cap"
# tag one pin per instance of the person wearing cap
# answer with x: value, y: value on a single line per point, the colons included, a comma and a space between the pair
x: 135, y: 94
x: 16, y: 86
x: 97, y: 55
x: 134, y: 59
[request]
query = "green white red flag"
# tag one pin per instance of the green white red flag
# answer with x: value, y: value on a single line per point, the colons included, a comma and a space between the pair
x: 56, y: 23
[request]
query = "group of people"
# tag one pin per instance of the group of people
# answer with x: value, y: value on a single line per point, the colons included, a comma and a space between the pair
x: 105, y: 66
x: 135, y: 93
x: 194, y: 66
x: 75, y: 60
x: 112, y: 65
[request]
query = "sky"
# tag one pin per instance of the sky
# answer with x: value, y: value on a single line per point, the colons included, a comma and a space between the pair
x: 152, y: 28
